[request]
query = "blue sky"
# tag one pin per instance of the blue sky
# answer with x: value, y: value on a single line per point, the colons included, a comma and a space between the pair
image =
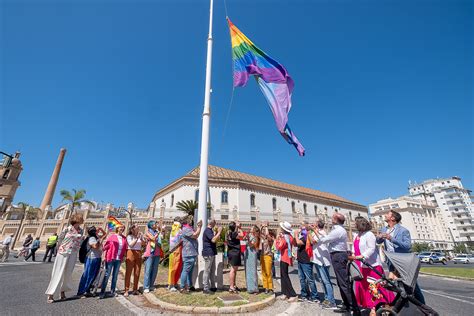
x: 383, y: 94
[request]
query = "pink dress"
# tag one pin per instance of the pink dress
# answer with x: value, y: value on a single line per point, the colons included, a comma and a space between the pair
x: 362, y: 290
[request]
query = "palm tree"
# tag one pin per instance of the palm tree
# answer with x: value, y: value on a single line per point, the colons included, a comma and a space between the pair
x: 75, y: 198
x: 189, y: 206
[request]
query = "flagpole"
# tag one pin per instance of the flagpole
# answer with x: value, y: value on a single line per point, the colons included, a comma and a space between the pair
x: 206, y: 118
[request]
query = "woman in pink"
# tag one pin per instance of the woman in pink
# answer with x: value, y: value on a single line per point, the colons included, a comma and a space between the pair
x: 114, y: 249
x: 364, y: 247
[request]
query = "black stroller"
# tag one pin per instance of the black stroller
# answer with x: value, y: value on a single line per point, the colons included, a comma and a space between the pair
x: 407, y: 266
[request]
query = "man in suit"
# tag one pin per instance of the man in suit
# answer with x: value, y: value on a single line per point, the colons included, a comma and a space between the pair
x: 396, y: 238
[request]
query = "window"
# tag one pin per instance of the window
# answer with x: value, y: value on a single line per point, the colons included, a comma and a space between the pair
x: 315, y: 210
x: 252, y: 199
x: 172, y: 199
x: 196, y: 195
x: 304, y: 209
x: 274, y: 204
x: 226, y: 216
x: 253, y: 218
x: 224, y: 197
x: 7, y: 172
x: 293, y: 207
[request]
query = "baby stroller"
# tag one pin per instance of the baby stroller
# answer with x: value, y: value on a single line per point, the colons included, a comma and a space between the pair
x: 407, y: 266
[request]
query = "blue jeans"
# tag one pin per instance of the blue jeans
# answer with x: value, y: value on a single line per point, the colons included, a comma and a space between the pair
x: 91, y: 267
x: 115, y: 265
x: 151, y: 270
x: 324, y: 276
x: 187, y: 272
x: 305, y: 272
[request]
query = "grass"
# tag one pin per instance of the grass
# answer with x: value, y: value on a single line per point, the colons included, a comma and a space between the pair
x: 198, y: 298
x: 458, y: 272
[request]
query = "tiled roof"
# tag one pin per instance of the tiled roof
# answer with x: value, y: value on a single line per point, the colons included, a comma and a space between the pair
x: 216, y: 173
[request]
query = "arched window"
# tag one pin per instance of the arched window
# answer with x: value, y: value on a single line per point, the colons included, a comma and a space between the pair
x: 305, y: 210
x: 315, y: 210
x: 7, y: 172
x: 274, y: 204
x: 252, y: 199
x: 224, y: 197
x: 196, y: 195
x: 293, y: 206
x: 172, y: 199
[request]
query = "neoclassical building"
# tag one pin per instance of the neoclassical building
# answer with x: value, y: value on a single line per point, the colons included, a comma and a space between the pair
x: 235, y: 195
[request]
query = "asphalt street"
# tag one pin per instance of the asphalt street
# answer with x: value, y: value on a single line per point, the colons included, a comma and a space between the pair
x: 23, y: 284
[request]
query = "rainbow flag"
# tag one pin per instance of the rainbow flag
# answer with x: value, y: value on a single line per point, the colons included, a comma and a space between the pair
x: 273, y: 79
x: 113, y: 223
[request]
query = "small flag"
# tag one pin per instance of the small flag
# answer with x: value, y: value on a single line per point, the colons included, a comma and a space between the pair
x: 113, y: 223
x: 273, y: 79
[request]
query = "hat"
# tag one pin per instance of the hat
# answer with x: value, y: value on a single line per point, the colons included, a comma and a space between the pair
x: 286, y: 227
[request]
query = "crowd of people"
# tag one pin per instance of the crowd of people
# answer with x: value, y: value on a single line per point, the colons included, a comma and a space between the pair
x: 310, y: 246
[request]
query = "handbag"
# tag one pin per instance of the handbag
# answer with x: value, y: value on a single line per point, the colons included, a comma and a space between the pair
x: 354, y: 271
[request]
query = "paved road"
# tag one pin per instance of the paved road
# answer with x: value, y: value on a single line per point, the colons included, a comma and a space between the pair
x: 23, y: 284
x: 450, y: 265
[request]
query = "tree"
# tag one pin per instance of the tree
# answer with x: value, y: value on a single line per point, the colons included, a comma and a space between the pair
x: 75, y: 198
x: 189, y: 206
x: 29, y: 213
x: 460, y: 248
x: 420, y: 247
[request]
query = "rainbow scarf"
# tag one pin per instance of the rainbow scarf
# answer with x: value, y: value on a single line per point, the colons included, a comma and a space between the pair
x: 174, y: 236
x: 113, y: 223
x: 273, y: 79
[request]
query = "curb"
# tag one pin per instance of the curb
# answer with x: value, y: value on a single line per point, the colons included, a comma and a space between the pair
x: 448, y: 276
x: 248, y: 308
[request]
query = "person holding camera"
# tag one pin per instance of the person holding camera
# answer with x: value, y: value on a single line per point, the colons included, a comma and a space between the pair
x: 284, y: 245
x: 133, y: 259
x: 189, y: 238
x: 234, y: 235
x: 209, y: 252
x: 266, y: 258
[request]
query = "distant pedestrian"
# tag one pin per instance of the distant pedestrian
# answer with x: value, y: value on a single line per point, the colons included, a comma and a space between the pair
x: 5, y: 247
x: 61, y: 275
x: 266, y: 258
x: 34, y: 247
x: 189, y: 238
x: 209, y: 252
x: 92, y: 263
x: 25, y: 247
x: 175, y: 258
x: 309, y: 291
x: 115, y: 248
x: 152, y: 255
x: 322, y: 261
x: 233, y: 243
x: 50, y: 247
x: 284, y: 245
x: 251, y: 256
x: 133, y: 261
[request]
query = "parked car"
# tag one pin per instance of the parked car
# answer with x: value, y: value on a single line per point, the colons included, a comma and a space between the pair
x: 432, y: 257
x: 463, y: 259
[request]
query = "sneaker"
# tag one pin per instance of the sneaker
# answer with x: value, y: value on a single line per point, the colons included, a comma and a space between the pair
x: 146, y: 291
x: 173, y: 289
x: 314, y: 301
x: 302, y: 299
x: 341, y: 310
x: 192, y: 289
x: 328, y: 305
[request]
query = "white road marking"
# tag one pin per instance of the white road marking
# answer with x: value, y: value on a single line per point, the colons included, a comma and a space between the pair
x: 19, y: 263
x: 130, y: 306
x: 449, y: 297
x: 290, y: 310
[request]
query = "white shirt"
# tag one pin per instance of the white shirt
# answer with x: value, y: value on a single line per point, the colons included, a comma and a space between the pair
x: 321, y: 254
x: 337, y: 239
x: 120, y: 242
x: 137, y: 246
x: 7, y: 241
x: 367, y: 248
x: 389, y: 243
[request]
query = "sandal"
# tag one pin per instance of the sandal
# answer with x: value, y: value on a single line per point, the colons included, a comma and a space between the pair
x: 233, y: 290
x: 125, y: 294
x: 50, y: 299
